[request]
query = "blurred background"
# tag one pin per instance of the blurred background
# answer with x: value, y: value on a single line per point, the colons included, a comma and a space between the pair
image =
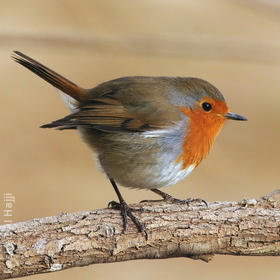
x: 233, y: 44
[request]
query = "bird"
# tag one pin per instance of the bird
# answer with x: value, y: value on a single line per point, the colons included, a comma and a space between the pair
x: 147, y: 132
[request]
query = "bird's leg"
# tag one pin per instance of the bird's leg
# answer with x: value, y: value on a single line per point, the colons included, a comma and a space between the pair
x: 168, y: 198
x: 126, y: 211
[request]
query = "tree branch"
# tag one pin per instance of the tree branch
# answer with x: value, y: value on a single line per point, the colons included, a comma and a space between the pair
x: 250, y: 227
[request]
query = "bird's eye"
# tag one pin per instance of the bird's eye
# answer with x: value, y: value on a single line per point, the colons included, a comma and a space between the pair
x: 206, y: 106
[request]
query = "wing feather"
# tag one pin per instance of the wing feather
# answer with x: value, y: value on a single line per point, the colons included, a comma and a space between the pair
x: 122, y: 108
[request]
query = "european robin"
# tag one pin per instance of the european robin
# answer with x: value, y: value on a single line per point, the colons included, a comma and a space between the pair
x: 147, y: 132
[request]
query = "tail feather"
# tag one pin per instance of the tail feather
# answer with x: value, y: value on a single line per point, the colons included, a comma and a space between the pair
x: 49, y: 75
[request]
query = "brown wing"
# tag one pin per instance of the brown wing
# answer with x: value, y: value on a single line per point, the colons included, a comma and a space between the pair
x: 127, y: 104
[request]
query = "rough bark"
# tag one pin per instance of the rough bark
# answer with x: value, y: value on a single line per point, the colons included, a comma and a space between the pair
x: 250, y: 227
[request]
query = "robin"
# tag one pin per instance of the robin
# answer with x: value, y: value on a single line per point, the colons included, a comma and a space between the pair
x: 147, y: 132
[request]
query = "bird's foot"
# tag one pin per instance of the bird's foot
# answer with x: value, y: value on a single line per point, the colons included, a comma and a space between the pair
x: 187, y: 201
x: 168, y: 198
x: 126, y: 211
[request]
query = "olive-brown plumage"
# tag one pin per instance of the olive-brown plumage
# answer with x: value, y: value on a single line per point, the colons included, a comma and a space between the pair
x: 148, y: 132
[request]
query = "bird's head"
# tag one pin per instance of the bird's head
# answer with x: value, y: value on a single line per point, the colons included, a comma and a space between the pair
x: 206, y: 110
x: 205, y: 102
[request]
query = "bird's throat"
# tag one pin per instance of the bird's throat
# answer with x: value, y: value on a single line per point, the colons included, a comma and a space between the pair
x: 200, y: 137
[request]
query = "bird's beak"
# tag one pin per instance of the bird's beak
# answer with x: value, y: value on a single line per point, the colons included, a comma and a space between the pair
x: 233, y: 116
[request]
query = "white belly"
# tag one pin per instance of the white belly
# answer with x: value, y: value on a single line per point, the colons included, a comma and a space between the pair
x: 172, y: 174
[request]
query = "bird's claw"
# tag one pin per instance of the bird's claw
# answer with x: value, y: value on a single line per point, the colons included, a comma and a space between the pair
x: 188, y: 201
x: 126, y: 211
x: 168, y: 198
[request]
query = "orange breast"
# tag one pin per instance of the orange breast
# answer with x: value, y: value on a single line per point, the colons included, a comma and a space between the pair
x: 200, y: 137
